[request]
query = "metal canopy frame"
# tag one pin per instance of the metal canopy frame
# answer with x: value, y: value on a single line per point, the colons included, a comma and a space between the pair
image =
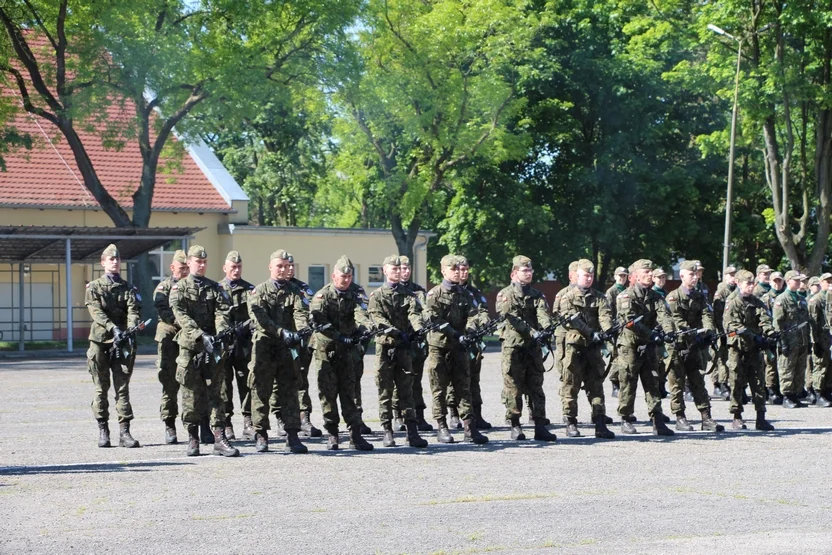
x: 81, y: 245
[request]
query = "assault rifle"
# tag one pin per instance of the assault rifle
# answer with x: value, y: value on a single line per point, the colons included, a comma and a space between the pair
x: 777, y: 338
x: 545, y: 337
x: 369, y: 334
x: 475, y: 338
x: 124, y: 348
x: 221, y: 344
x: 306, y: 333
x: 418, y: 338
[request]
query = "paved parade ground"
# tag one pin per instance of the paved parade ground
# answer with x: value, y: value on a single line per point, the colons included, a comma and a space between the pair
x: 738, y: 492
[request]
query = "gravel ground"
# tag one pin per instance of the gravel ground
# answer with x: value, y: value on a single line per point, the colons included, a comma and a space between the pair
x: 739, y: 492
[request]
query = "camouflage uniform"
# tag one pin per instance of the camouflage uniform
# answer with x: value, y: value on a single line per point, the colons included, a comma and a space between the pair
x: 560, y: 331
x: 236, y: 363
x: 819, y: 327
x: 363, y: 299
x: 723, y: 293
x: 475, y: 364
x: 790, y: 309
x: 419, y: 354
x: 167, y: 349
x: 663, y: 366
x: 772, y: 379
x: 613, y: 363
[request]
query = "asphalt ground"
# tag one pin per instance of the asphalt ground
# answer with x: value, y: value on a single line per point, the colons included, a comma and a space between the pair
x: 737, y: 492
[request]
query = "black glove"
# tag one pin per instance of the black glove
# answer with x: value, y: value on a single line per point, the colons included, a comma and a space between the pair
x: 538, y: 336
x: 345, y: 340
x: 761, y: 342
x: 466, y: 341
x: 404, y: 338
x: 597, y: 338
x: 668, y: 338
x: 655, y: 337
x: 117, y: 334
x: 208, y: 342
x: 291, y: 338
x: 818, y: 349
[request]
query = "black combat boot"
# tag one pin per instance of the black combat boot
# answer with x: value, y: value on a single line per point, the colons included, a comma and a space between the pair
x: 124, y: 437
x: 761, y: 423
x: 365, y: 429
x: 792, y: 402
x: 205, y: 434
x: 280, y: 427
x: 332, y: 437
x: 357, y: 442
x: 306, y: 427
x: 738, y: 423
x: 726, y: 392
x: 293, y: 444
x: 607, y: 419
x: 682, y: 423
x: 659, y: 426
x: 421, y: 424
x: 571, y: 427
x: 398, y: 421
x: 248, y: 428
x: 261, y: 441
x: 229, y: 430
x: 774, y: 397
x: 193, y: 440
x: 472, y: 434
x: 103, y: 433
x: 542, y: 434
x: 632, y: 418
x: 443, y: 434
x: 822, y: 400
x: 516, y: 430
x: 482, y: 424
x: 387, y: 440
x: 627, y: 425
x: 455, y: 422
x: 709, y: 424
x: 170, y: 431
x: 221, y: 445
x: 413, y: 437
x: 601, y: 430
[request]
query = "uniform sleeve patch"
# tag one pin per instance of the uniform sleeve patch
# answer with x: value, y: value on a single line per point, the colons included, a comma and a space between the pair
x: 319, y: 296
x: 174, y: 288
x: 623, y: 296
x: 88, y: 285
x: 671, y: 300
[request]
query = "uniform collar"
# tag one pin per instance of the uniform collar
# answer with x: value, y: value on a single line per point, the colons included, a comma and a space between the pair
x: 113, y: 278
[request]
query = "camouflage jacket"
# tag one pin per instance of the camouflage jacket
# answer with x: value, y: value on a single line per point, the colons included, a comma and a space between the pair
x: 818, y: 321
x: 748, y: 313
x: 689, y: 310
x: 612, y: 294
x: 558, y: 309
x: 594, y: 310
x: 112, y: 304
x: 761, y: 289
x: 420, y: 293
x: 275, y: 308
x: 641, y: 301
x: 394, y: 307
x: 723, y: 291
x: 237, y: 292
x: 480, y: 303
x: 454, y: 306
x: 346, y: 311
x: 790, y: 309
x: 525, y: 310
x: 200, y: 306
x: 167, y: 326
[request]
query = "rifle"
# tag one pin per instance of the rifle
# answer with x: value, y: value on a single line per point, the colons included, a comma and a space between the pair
x: 419, y: 337
x: 778, y: 336
x: 125, y: 348
x: 222, y: 343
x: 545, y: 339
x: 305, y: 334
x: 476, y: 337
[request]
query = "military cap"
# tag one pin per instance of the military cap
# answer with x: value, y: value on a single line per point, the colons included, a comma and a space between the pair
x: 689, y: 265
x: 642, y: 264
x: 793, y: 274
x: 621, y: 271
x: 180, y: 256
x: 745, y: 275
x: 234, y: 256
x: 825, y: 276
x: 814, y: 280
x: 404, y: 261
x: 699, y: 265
x: 585, y: 265
x: 280, y: 255
x: 573, y: 266
x: 520, y: 261
x: 197, y: 251
x: 659, y: 272
x: 111, y: 250
x: 393, y: 260
x: 776, y: 275
x: 731, y: 270
x: 448, y: 261
x: 763, y: 269
x: 344, y: 265
x: 462, y: 261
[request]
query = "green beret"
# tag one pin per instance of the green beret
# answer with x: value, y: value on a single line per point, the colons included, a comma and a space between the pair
x: 234, y: 257
x: 180, y: 256
x: 642, y: 264
x: 111, y: 250
x: 197, y: 251
x: 393, y: 260
x: 344, y: 265
x: 462, y: 261
x: 449, y: 261
x: 585, y: 265
x: 404, y: 261
x: 520, y: 261
x: 744, y: 275
x: 689, y: 265
x: 279, y: 255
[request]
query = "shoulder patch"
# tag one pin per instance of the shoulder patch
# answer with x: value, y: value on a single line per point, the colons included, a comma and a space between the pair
x: 777, y: 303
x: 623, y: 296
x: 175, y: 287
x: 319, y: 296
x: 671, y: 299
x: 88, y: 285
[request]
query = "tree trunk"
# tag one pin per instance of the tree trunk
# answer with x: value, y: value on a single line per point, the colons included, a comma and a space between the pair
x: 405, y: 239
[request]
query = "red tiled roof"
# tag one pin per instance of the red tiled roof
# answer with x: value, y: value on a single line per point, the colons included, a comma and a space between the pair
x: 47, y: 176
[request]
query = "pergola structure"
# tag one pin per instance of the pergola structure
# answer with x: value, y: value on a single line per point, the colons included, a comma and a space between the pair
x: 77, y: 245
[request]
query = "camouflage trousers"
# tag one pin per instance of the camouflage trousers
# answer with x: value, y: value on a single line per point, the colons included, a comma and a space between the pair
x: 820, y: 372
x: 635, y: 365
x: 394, y: 373
x: 615, y: 368
x: 582, y: 366
x: 98, y: 364
x: 791, y: 369
x: 449, y: 367
x: 303, y: 361
x: 523, y: 375
x: 720, y: 373
x: 686, y: 369
x: 772, y: 378
x: 418, y: 365
x: 272, y: 369
x: 336, y: 382
x: 746, y: 368
x: 475, y: 367
x: 236, y: 369
x: 810, y: 369
x: 168, y: 350
x: 199, y: 399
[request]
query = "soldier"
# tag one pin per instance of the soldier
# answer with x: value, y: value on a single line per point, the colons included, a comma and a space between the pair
x: 337, y: 354
x: 701, y: 286
x: 167, y: 347
x: 819, y: 327
x: 763, y: 285
x: 201, y: 307
x: 747, y: 316
x: 583, y: 363
x: 447, y: 360
x: 723, y: 291
x: 481, y: 305
x: 277, y: 308
x: 812, y: 286
x: 363, y: 300
x: 776, y: 287
x: 522, y: 360
x: 621, y: 276
x: 236, y: 363
x: 789, y: 310
x: 659, y: 281
x: 114, y: 306
x: 419, y: 354
x: 637, y: 348
x: 395, y: 307
x: 689, y: 309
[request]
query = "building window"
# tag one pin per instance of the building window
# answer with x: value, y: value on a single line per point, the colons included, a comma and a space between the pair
x: 376, y: 276
x: 161, y: 259
x: 316, y: 277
